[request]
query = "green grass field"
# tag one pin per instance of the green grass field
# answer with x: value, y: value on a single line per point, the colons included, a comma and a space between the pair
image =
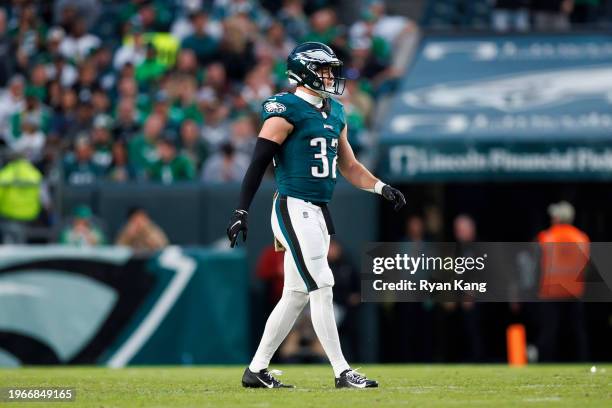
x: 401, y: 385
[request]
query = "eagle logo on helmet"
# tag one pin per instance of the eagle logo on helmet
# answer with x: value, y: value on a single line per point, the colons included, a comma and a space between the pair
x: 319, y: 55
x: 303, y: 68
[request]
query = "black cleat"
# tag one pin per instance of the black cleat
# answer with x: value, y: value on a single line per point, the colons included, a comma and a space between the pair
x: 262, y: 379
x: 352, y: 379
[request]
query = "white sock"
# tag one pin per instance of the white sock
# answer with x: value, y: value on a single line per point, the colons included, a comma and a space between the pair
x: 322, y: 314
x: 279, y: 324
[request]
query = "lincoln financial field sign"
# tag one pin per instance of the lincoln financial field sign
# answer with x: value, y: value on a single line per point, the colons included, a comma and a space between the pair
x: 503, y: 107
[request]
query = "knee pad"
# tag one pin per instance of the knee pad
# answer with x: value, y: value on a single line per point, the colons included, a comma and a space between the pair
x: 295, y: 299
x: 324, y: 295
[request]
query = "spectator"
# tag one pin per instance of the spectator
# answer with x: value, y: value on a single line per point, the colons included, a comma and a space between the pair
x: 87, y: 82
x: 407, y: 344
x: 510, y: 15
x: 378, y: 24
x: 187, y: 65
x: 243, y: 135
x: 192, y: 146
x: 87, y: 10
x: 6, y: 51
x: 200, y: 41
x: 294, y: 20
x: 183, y: 25
x: 140, y: 232
x: 142, y: 149
x: 325, y: 29
x: 64, y: 120
x: 79, y: 168
x: 120, y: 170
x: 182, y: 101
x: 257, y: 86
x: 37, y: 86
x: 216, y: 84
x: 149, y: 70
x: 216, y: 130
x: 82, y: 231
x: 31, y: 140
x: 102, y: 142
x: 60, y: 70
x: 347, y: 297
x: 151, y: 15
x: 79, y: 44
x: 275, y: 45
x: 236, y: 48
x: 100, y: 103
x: 34, y: 110
x: 270, y: 270
x: 551, y: 14
x: 460, y: 318
x: 84, y: 117
x: 128, y: 89
x: 20, y: 190
x: 250, y: 10
x: 133, y: 51
x: 565, y: 255
x: 103, y: 58
x: 126, y: 120
x: 12, y: 102
x: 55, y: 37
x: 28, y: 36
x: 170, y: 166
x: 225, y: 166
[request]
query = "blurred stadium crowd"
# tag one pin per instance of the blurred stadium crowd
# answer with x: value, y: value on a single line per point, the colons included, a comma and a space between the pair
x: 164, y: 90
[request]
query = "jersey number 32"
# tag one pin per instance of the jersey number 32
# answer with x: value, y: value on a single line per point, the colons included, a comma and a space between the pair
x: 323, y: 172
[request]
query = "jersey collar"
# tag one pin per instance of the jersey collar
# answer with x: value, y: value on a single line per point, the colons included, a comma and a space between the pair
x: 314, y: 100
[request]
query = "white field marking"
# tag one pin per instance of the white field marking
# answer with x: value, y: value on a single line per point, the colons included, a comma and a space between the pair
x: 171, y: 258
x: 542, y: 399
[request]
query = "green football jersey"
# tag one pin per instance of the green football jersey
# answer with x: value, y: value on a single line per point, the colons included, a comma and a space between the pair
x: 305, y: 166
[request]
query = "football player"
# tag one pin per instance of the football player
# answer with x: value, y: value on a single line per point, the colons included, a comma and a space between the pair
x: 304, y: 135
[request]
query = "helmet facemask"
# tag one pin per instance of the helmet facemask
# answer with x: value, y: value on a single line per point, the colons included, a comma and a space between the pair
x: 316, y: 67
x: 329, y: 79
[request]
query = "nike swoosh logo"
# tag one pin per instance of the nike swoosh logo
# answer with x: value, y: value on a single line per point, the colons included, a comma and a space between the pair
x: 237, y: 222
x: 265, y: 383
x: 362, y: 385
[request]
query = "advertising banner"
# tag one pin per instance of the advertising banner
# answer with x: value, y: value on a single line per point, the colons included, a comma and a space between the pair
x: 491, y: 107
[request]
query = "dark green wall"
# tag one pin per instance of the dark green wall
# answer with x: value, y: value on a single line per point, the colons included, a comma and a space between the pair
x: 196, y: 214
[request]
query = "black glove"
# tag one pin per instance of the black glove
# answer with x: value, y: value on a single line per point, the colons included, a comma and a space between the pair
x: 395, y: 196
x: 237, y: 223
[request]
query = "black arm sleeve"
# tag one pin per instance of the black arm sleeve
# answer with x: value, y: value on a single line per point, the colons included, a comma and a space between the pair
x: 262, y: 156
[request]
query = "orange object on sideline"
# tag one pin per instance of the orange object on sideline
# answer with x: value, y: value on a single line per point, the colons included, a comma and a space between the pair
x: 517, y: 345
x: 565, y: 255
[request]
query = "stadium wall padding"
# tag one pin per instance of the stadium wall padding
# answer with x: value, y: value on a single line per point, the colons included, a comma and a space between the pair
x: 197, y: 214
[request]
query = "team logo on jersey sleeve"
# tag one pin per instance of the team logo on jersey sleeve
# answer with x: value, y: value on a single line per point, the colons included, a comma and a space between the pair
x: 274, y: 107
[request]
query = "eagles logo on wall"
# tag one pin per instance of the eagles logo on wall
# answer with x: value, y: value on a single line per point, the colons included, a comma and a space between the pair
x: 105, y: 305
x: 81, y: 299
